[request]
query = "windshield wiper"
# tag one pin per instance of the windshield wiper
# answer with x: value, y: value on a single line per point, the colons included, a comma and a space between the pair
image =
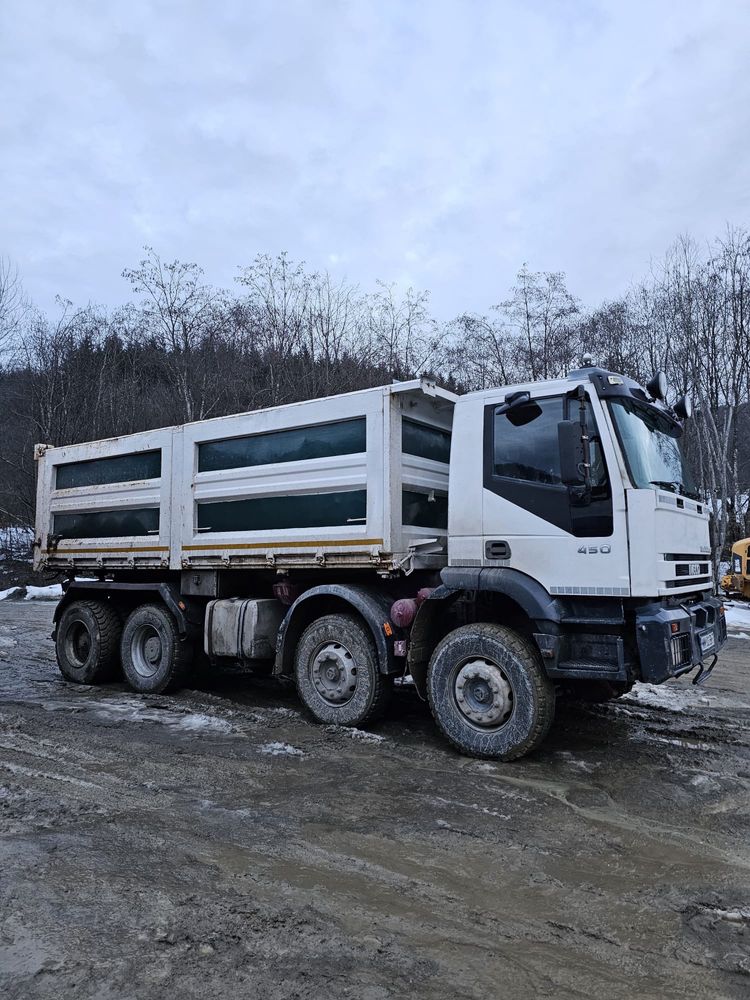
x: 665, y: 484
x: 674, y: 487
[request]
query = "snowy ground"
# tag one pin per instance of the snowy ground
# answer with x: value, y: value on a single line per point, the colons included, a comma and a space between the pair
x: 738, y: 619
x: 52, y: 592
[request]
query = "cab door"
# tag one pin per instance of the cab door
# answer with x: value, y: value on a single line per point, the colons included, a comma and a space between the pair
x: 531, y: 521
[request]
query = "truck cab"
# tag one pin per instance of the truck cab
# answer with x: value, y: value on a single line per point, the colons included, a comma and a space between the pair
x: 574, y: 521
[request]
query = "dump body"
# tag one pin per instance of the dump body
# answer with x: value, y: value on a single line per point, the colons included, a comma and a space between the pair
x: 358, y: 480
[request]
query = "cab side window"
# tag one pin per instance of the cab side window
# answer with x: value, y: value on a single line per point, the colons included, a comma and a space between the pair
x: 522, y: 465
x: 529, y: 450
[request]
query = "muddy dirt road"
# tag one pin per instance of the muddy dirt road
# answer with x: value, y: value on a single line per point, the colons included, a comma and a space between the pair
x: 217, y: 844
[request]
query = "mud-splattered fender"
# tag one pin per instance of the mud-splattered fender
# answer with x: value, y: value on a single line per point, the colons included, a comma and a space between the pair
x: 369, y: 604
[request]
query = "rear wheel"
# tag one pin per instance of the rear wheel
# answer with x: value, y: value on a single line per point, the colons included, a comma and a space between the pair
x: 488, y: 692
x: 154, y: 657
x: 337, y: 673
x: 87, y: 641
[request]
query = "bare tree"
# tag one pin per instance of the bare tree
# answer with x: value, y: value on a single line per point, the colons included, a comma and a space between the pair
x: 14, y: 306
x: 180, y: 311
x: 542, y: 310
x: 397, y: 331
x: 276, y: 313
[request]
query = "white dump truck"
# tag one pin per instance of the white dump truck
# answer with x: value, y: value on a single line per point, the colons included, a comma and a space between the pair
x: 496, y: 546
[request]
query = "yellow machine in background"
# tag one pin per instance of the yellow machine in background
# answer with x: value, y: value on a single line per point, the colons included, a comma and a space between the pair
x: 737, y: 580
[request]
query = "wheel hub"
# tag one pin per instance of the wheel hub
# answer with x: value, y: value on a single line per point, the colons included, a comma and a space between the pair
x: 152, y: 649
x: 146, y: 650
x: 334, y: 673
x: 78, y: 643
x: 483, y: 694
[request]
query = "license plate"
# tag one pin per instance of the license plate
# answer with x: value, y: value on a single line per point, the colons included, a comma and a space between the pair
x: 707, y: 641
x: 695, y: 569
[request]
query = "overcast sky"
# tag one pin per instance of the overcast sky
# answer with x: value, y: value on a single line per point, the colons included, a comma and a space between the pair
x: 440, y: 144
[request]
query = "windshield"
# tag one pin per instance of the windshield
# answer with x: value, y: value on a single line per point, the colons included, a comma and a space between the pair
x: 651, y: 448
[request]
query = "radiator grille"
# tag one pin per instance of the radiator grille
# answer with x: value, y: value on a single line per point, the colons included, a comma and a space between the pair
x: 681, y: 653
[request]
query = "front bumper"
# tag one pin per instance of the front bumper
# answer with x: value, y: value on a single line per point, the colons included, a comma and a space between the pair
x: 675, y: 638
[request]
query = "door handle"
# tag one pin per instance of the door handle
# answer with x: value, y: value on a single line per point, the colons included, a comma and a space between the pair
x: 496, y: 549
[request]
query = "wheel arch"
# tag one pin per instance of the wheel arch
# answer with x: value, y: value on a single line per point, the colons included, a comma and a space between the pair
x: 372, y: 607
x: 188, y: 614
x: 505, y: 597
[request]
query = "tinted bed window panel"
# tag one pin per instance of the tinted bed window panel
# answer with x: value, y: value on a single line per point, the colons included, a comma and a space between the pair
x: 101, y: 471
x: 106, y: 523
x: 310, y: 510
x: 346, y: 437
x: 529, y: 451
x: 425, y: 442
x: 417, y: 509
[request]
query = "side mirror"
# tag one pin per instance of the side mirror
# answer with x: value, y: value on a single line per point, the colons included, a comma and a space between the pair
x: 520, y: 408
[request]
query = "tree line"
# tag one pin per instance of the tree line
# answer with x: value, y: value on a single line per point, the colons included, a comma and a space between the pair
x: 183, y: 350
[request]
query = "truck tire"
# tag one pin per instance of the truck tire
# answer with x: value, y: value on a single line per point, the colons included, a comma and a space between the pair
x: 488, y: 692
x: 154, y: 658
x: 337, y: 673
x: 87, y: 642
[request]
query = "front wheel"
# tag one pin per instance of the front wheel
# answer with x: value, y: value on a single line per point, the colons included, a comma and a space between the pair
x: 154, y: 657
x: 488, y: 692
x: 337, y: 673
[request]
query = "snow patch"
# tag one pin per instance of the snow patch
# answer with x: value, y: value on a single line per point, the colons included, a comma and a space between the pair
x: 361, y: 734
x: 51, y: 593
x: 737, y: 915
x: 356, y: 734
x: 5, y: 594
x: 737, y: 616
x: 193, y: 722
x: 673, y: 741
x: 582, y: 765
x: 281, y: 750
x: 133, y: 710
x: 670, y: 696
